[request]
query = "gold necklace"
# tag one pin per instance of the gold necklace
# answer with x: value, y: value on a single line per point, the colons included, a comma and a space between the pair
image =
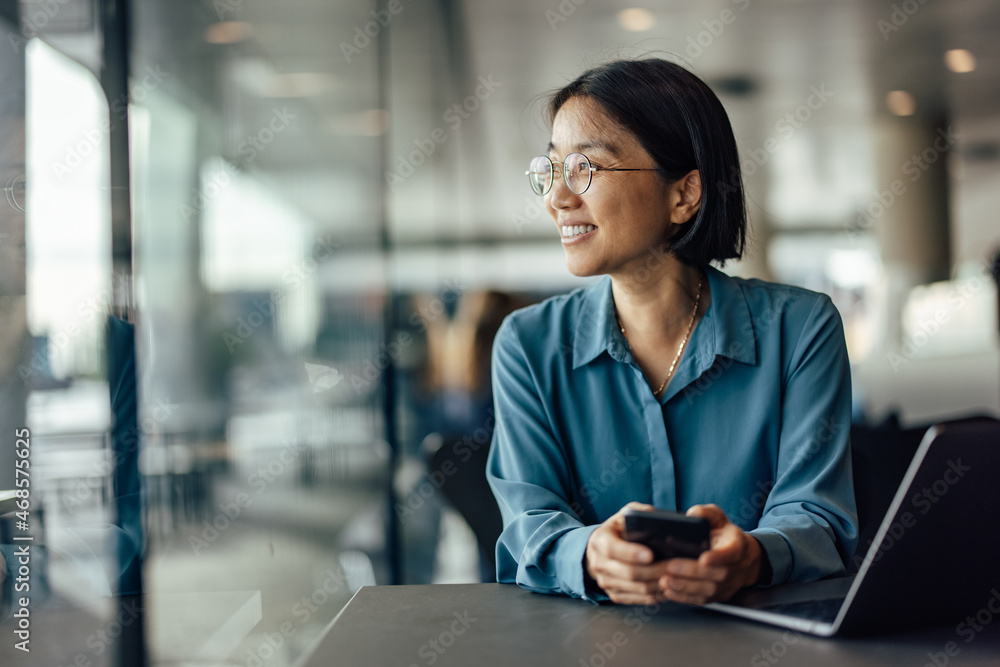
x: 680, y: 349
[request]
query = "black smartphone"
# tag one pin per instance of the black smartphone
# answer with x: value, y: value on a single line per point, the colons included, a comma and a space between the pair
x: 668, y: 534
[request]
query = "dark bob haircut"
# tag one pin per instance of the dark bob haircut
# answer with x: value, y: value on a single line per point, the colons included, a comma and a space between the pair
x: 680, y: 122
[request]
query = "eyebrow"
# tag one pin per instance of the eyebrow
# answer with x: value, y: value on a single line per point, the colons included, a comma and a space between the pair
x: 579, y: 148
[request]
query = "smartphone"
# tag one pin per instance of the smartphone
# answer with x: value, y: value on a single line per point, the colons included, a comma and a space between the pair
x: 668, y: 534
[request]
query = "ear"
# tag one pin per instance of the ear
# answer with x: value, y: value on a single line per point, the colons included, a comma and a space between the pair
x: 685, y: 197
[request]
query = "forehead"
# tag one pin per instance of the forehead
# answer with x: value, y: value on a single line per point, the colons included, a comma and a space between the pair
x: 581, y: 125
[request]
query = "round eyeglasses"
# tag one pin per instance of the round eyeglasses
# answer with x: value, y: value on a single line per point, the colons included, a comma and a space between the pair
x: 577, y: 171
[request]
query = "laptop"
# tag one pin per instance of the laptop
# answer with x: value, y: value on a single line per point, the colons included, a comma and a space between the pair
x: 934, y: 560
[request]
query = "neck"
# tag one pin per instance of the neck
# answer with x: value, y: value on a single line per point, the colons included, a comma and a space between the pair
x: 656, y: 306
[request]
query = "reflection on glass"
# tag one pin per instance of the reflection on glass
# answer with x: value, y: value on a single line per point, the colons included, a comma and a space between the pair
x: 68, y: 264
x: 261, y: 298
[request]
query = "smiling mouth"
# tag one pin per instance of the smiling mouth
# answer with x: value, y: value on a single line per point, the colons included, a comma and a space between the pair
x: 569, y: 231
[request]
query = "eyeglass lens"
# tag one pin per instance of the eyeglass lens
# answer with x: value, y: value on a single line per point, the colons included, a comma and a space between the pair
x: 540, y: 175
x: 576, y: 172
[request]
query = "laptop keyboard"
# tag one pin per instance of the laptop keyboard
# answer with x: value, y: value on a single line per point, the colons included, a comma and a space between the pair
x: 814, y: 610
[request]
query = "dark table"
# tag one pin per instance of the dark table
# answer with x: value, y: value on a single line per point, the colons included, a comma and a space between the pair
x: 497, y: 624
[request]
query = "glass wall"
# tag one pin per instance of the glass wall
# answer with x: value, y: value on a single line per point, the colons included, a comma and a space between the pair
x: 261, y: 295
x: 195, y: 309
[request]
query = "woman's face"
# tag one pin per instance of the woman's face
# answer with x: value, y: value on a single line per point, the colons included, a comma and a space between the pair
x: 631, y: 210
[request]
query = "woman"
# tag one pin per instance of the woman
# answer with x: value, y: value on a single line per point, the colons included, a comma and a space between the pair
x: 665, y: 383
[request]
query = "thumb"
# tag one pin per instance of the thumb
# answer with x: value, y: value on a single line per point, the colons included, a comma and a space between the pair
x: 637, y: 506
x: 713, y: 513
x: 728, y: 546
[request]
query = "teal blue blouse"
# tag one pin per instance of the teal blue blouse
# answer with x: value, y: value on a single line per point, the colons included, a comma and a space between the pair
x: 755, y: 420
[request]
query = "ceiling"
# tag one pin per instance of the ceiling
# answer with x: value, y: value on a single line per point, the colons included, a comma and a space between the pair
x: 364, y: 107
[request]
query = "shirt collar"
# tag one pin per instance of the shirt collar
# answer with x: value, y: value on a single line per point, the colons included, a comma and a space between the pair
x: 593, y: 333
x: 725, y: 330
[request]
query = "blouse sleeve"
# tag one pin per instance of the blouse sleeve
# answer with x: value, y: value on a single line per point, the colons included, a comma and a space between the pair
x: 809, y: 523
x: 543, y: 542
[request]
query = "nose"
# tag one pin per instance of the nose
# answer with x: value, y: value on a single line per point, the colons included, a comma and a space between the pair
x: 560, y: 196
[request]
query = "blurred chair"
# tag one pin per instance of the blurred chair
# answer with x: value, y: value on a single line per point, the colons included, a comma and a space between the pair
x: 459, y: 422
x: 461, y: 463
x: 880, y: 458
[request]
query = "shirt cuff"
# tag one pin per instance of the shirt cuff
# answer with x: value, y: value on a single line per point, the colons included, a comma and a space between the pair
x: 778, y: 554
x: 572, y: 550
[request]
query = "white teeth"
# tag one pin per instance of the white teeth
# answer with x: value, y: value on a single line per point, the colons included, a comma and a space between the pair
x: 575, y: 230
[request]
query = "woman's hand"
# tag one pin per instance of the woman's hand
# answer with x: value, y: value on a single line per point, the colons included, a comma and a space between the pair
x: 624, y: 570
x: 732, y: 562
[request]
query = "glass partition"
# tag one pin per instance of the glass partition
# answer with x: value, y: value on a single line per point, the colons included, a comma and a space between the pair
x: 260, y: 293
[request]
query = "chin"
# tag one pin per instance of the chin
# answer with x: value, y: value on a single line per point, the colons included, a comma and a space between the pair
x: 581, y: 270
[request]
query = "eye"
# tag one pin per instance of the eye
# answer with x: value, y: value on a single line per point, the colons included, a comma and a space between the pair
x: 577, y: 163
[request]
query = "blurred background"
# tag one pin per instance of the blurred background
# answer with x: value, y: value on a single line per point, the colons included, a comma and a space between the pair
x: 254, y: 254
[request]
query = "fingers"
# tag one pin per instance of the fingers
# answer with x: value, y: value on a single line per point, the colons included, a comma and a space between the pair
x: 716, y: 575
x: 637, y: 599
x: 630, y: 592
x: 634, y: 573
x: 624, y: 570
x: 716, y: 517
x: 624, y: 581
x: 691, y: 582
x: 607, y: 539
x: 616, y: 548
x: 688, y: 568
x: 607, y: 542
x: 616, y: 564
x: 727, y: 539
x: 612, y: 583
x: 713, y: 575
x: 690, y: 591
x: 728, y: 547
x: 636, y: 506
